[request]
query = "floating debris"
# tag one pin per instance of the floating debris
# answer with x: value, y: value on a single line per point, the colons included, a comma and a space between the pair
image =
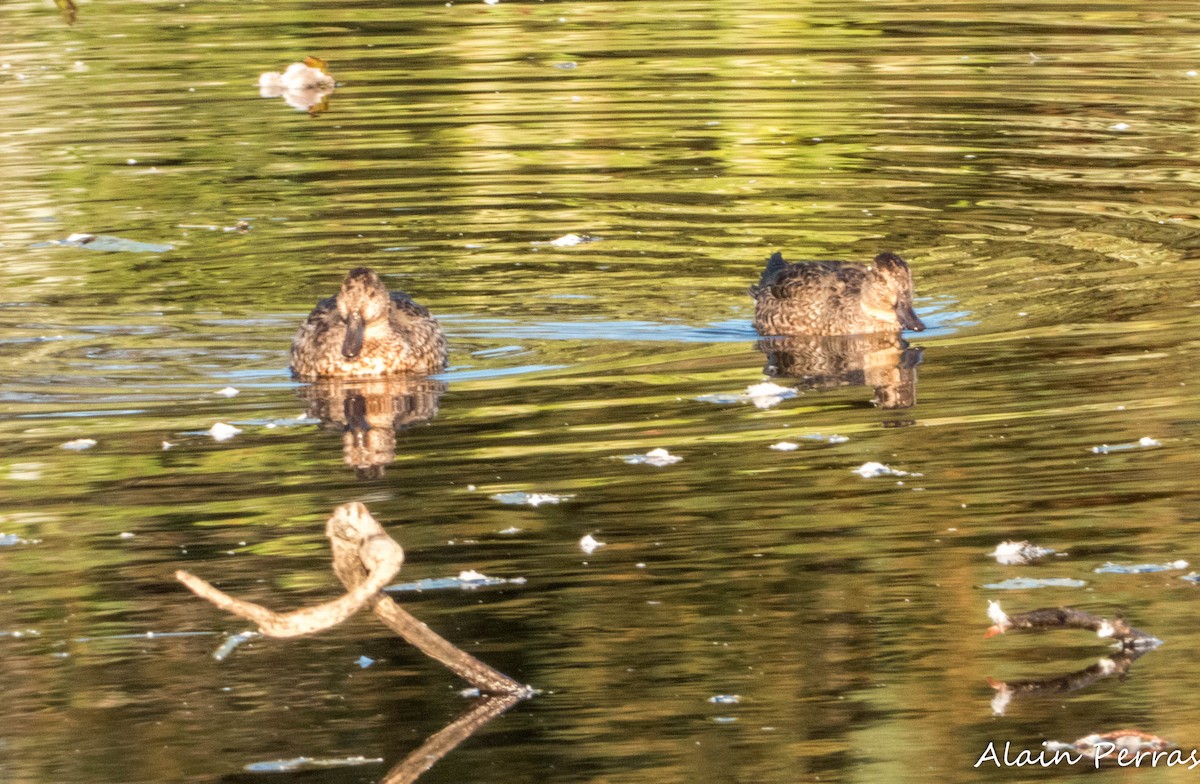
x: 9, y: 540
x: 232, y: 642
x: 1112, y: 568
x: 305, y: 86
x: 655, y: 457
x: 80, y: 444
x: 1023, y: 583
x: 1019, y: 553
x: 768, y: 394
x: 21, y: 633
x: 166, y: 445
x: 1069, y: 618
x: 227, y: 392
x: 530, y: 499
x: 570, y: 240
x: 725, y: 699
x: 512, y: 529
x: 105, y: 243
x: 466, y: 580
x: 364, y: 661
x: 784, y: 446
x: 871, y: 469
x: 569, y: 65
x: 589, y: 544
x: 1141, y: 443
x: 764, y: 395
x: 126, y: 535
x: 223, y: 432
x: 1120, y: 747
x: 309, y: 763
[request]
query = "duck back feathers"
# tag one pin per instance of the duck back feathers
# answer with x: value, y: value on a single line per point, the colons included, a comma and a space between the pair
x: 834, y: 297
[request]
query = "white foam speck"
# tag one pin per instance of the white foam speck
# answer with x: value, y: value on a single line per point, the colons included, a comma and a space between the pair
x: 80, y: 444
x: 768, y: 394
x: 589, y: 544
x: 223, y: 432
x: 655, y: 457
x: 872, y: 469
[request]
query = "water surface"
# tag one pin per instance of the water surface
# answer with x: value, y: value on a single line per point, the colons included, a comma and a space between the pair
x: 1035, y: 163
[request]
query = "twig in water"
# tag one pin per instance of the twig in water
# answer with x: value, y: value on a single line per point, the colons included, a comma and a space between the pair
x: 365, y: 559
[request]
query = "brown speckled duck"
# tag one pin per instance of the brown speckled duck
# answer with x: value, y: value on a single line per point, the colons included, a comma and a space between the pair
x: 834, y: 297
x: 367, y: 332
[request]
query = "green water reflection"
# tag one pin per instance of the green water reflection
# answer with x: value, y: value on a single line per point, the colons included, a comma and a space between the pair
x: 1035, y: 163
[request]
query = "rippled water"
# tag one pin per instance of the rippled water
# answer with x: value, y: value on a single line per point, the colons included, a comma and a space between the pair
x: 1036, y: 163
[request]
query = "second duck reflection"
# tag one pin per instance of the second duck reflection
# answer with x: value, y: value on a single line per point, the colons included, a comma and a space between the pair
x: 882, y: 360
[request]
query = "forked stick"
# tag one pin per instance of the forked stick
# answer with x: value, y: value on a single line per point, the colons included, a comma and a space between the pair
x: 365, y: 559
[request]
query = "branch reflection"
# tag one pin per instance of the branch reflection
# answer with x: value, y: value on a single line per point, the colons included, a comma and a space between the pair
x: 1116, y: 665
x: 442, y: 743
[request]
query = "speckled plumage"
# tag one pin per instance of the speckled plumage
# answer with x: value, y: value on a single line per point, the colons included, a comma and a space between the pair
x: 834, y: 297
x: 367, y: 332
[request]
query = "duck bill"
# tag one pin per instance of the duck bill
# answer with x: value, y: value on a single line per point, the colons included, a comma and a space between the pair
x: 353, y: 342
x: 908, y: 318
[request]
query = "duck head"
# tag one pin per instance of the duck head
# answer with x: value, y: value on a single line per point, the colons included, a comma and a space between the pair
x: 889, y: 292
x: 363, y: 300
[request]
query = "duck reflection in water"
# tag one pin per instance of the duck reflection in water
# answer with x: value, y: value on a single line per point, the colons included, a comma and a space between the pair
x: 370, y: 412
x: 837, y: 323
x: 884, y: 361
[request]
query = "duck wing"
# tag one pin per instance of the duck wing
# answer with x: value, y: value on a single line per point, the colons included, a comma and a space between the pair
x: 405, y: 309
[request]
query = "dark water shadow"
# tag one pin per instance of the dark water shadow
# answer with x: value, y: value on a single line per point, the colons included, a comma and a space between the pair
x: 369, y: 413
x: 883, y: 361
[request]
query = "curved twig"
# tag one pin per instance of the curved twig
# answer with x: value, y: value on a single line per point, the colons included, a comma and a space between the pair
x: 365, y: 559
x: 1070, y: 618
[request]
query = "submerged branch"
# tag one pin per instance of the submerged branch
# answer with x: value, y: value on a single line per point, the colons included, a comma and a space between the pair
x: 365, y: 559
x: 1069, y: 618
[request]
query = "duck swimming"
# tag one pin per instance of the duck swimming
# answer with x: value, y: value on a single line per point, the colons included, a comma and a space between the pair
x: 367, y: 331
x: 834, y: 297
